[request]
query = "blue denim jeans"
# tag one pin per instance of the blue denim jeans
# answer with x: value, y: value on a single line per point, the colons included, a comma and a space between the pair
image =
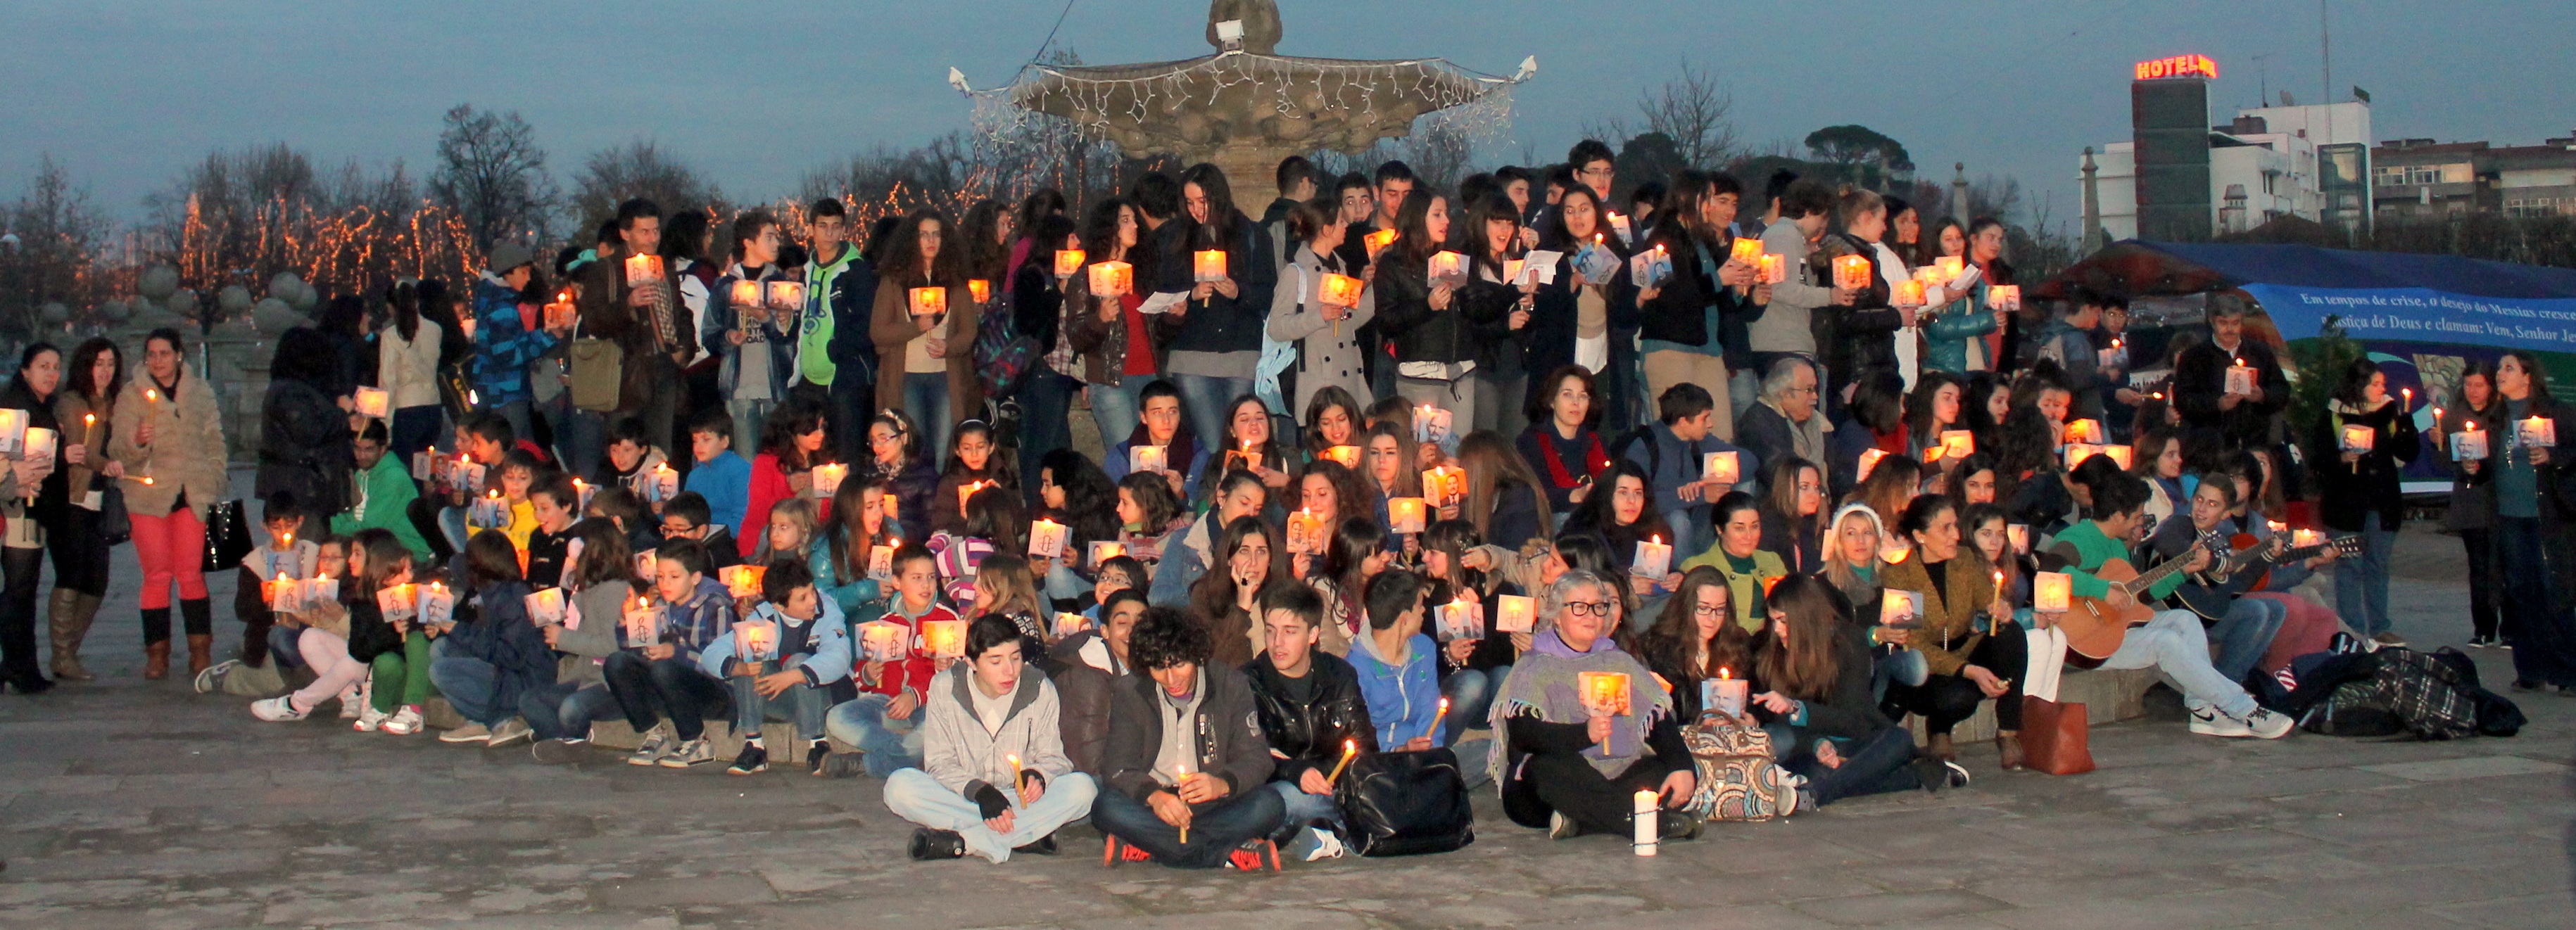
x: 469, y: 684
x: 1305, y: 810
x: 915, y: 796
x: 282, y: 642
x: 1046, y: 412
x: 1897, y: 667
x: 2540, y: 632
x: 2238, y: 641
x: 2361, y: 580
x: 889, y: 744
x: 1117, y: 407
x: 802, y: 704
x: 647, y: 690
x: 926, y: 401
x: 1471, y: 697
x: 1216, y: 827
x: 564, y: 711
x: 1205, y: 398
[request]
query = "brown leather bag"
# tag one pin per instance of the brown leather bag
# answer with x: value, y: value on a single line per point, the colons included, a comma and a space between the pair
x: 2054, y: 737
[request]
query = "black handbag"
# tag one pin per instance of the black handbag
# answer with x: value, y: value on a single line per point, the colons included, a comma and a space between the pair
x: 1405, y: 803
x: 115, y: 525
x: 227, y: 536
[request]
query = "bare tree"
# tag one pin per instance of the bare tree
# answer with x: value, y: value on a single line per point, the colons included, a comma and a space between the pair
x: 493, y: 174
x: 638, y: 169
x: 59, y: 234
x: 1692, y: 109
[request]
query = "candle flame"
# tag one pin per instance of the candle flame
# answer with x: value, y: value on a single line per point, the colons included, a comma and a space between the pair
x: 1724, y: 672
x: 1351, y: 747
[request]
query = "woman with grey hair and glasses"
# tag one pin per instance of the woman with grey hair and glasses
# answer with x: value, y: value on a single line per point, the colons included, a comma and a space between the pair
x: 1584, y: 728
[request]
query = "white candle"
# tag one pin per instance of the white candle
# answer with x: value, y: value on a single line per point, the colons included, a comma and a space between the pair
x: 1732, y: 693
x: 1645, y: 822
x: 1046, y: 538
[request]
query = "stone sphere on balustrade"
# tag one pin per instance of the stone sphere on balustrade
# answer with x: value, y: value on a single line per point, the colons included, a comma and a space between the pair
x: 233, y: 299
x: 158, y: 282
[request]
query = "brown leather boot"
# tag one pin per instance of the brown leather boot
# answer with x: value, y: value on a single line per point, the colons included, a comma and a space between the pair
x: 2009, y: 744
x: 69, y: 626
x: 1941, y: 746
x: 201, y: 652
x: 156, y: 660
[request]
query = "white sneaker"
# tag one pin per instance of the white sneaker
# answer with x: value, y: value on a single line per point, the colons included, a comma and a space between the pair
x: 510, y: 731
x: 2268, y: 725
x: 655, y: 745
x: 1327, y: 845
x: 404, y: 722
x: 692, y: 752
x: 2208, y: 721
x: 278, y: 709
x: 369, y: 718
x: 353, y: 700
x: 213, y: 677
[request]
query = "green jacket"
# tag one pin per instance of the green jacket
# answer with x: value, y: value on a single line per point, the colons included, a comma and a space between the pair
x: 1744, y: 591
x: 384, y: 502
x: 1945, y: 339
x: 2090, y: 548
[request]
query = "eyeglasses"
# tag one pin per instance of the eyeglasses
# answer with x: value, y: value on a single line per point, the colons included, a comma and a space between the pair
x: 1595, y: 608
x: 1707, y: 610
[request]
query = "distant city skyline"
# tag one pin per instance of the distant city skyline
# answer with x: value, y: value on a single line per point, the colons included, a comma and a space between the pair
x: 126, y: 95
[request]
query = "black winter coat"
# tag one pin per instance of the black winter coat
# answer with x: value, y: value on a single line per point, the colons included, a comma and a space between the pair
x: 1228, y: 743
x: 304, y: 448
x: 2354, y: 492
x: 1310, y: 734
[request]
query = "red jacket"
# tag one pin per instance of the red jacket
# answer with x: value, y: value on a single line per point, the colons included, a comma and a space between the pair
x: 914, y: 672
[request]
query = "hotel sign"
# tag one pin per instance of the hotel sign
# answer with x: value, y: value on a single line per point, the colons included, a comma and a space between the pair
x: 2179, y: 66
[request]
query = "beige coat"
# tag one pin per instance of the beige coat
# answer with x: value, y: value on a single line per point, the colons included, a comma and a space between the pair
x: 408, y: 368
x: 187, y: 451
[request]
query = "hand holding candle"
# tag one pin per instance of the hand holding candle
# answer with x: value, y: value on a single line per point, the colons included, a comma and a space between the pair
x: 1351, y: 750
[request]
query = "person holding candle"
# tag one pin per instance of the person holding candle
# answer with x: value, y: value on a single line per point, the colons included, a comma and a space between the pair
x: 1217, y: 342
x: 1560, y: 442
x: 884, y: 721
x: 1327, y: 495
x: 2068, y: 340
x: 634, y: 299
x: 2173, y: 642
x: 396, y: 647
x: 1811, y: 674
x: 993, y: 525
x: 1749, y: 568
x: 791, y: 444
x: 1859, y: 336
x: 1674, y: 452
x: 1040, y: 297
x: 798, y: 678
x: 385, y: 493
x: 647, y: 681
x: 2359, y: 490
x: 1185, y: 759
x: 1960, y: 320
x: 280, y: 555
x: 1251, y: 445
x: 175, y: 436
x: 1093, y: 665
x: 1621, y: 517
x: 1249, y: 558
x: 1936, y: 405
x: 34, y: 509
x: 1237, y: 494
x: 1388, y: 460
x: 632, y: 461
x: 2534, y: 552
x: 1005, y: 588
x: 894, y: 456
x: 1567, y: 762
x: 1074, y: 492
x: 333, y: 636
x: 835, y: 362
x: 1354, y: 551
x: 1109, y: 331
x: 1332, y: 421
x: 506, y: 337
x: 1805, y: 207
x: 1501, y: 310
x: 1325, y: 331
x: 1696, y: 322
x: 1313, y: 713
x: 2201, y: 385
x: 80, y: 549
x: 1432, y: 323
x: 2254, y: 627
x: 1150, y: 521
x: 1396, y: 666
x: 994, y: 777
x: 1185, y: 458
x: 1458, y: 567
x: 1694, y: 639
x: 2471, y: 512
x: 1967, y: 636
x: 493, y: 656
x: 754, y: 342
x: 841, y: 558
x: 1576, y: 320
x: 926, y: 367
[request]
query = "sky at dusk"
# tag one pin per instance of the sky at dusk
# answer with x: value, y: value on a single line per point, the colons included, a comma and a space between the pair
x: 126, y: 93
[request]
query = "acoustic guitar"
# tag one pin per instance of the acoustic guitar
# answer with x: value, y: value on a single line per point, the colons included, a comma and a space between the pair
x: 2212, y: 591
x: 2095, y: 627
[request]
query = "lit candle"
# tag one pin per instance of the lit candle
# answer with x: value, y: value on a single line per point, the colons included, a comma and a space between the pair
x: 1016, y: 779
x: 1460, y: 619
x: 1348, y: 456
x: 1908, y: 294
x: 1432, y: 424
x: 2052, y: 592
x: 786, y: 295
x: 583, y: 490
x: 39, y: 444
x: 1603, y: 693
x: 746, y: 294
x: 1046, y: 538
x: 2240, y: 379
x: 13, y: 431
x: 1339, y: 290
x: 1404, y: 514
x: 1067, y: 261
x: 2004, y: 297
x: 1207, y: 265
x: 966, y: 492
x: 666, y: 482
x: 944, y: 639
x: 1103, y: 551
x: 1654, y: 558
x: 1111, y: 279
x: 1148, y: 458
x: 643, y: 269
x: 1351, y: 750
x: 2087, y: 431
x: 1721, y: 468
x: 1305, y: 532
x: 1958, y: 443
x: 1647, y: 835
x: 2469, y: 444
x: 1438, y: 717
x: 437, y: 605
x: 887, y: 504
x: 374, y: 402
x: 2358, y: 438
x: 1732, y: 693
x: 828, y: 477
x: 1895, y: 607
x: 884, y: 641
x: 2077, y: 452
x: 1379, y: 240
x: 281, y: 593
x: 2541, y: 432
x: 1514, y: 613
x: 928, y: 301
x: 1851, y: 273
x: 1443, y: 485
x: 2303, y: 537
x: 2125, y: 455
x: 1950, y: 267
x: 1448, y: 268
x: 1775, y: 268
x: 1512, y: 269
x: 1747, y: 250
x: 755, y: 640
x: 1067, y: 624
x: 1181, y: 777
x: 742, y: 580
x: 881, y: 560
x: 1868, y: 461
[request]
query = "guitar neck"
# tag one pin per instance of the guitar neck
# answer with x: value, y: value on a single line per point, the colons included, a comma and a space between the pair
x: 2149, y: 578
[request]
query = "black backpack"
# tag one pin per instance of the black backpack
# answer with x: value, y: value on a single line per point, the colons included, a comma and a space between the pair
x: 1405, y: 803
x: 2430, y: 696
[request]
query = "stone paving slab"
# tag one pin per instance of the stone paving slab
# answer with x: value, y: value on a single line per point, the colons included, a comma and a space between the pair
x: 126, y: 803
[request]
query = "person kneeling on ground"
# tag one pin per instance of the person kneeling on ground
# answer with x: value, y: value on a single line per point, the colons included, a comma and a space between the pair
x: 1572, y: 762
x: 994, y: 778
x: 1311, y: 711
x: 1184, y: 756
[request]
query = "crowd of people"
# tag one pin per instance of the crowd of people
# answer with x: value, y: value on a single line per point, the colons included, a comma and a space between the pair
x: 1388, y: 469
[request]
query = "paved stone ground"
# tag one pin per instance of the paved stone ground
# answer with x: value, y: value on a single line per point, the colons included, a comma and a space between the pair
x: 124, y: 803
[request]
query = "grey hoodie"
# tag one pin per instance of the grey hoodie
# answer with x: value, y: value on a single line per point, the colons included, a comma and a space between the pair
x: 964, y: 756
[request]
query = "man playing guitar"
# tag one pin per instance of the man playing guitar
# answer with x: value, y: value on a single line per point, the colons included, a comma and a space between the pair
x: 2173, y: 641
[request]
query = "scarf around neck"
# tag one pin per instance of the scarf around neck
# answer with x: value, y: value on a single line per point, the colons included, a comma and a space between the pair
x: 1545, y: 684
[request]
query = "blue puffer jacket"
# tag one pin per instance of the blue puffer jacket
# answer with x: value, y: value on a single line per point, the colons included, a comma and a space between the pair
x: 1946, y: 337
x: 501, y: 635
x: 504, y: 343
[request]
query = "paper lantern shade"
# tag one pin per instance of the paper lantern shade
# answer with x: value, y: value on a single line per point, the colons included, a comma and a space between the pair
x: 1515, y: 613
x: 2540, y: 432
x: 1348, y: 456
x: 1851, y: 273
x: 13, y: 431
x: 1068, y: 261
x: 1721, y: 468
x: 1654, y: 558
x: 785, y: 295
x: 2004, y: 297
x: 980, y: 289
x: 929, y: 301
x: 1046, y: 538
x: 1868, y: 462
x: 39, y: 444
x: 1512, y: 270
x: 1448, y: 268
x: 1207, y: 265
x: 2088, y: 431
x: 2240, y: 380
x: 828, y: 477
x: 1379, y: 240
x: 1958, y: 443
x: 1148, y: 458
x: 1306, y: 532
x: 2127, y: 456
x: 1775, y: 268
x: 1404, y: 514
x: 1747, y: 250
x: 746, y: 294
x: 1339, y: 290
x: 884, y: 641
x: 643, y: 269
x: 1604, y: 693
x: 2052, y: 591
x: 944, y: 639
x: 1950, y: 266
x: 375, y: 402
x: 743, y: 580
x: 1112, y: 279
x: 755, y: 641
x: 1104, y: 551
x: 1908, y: 294
x: 2469, y: 445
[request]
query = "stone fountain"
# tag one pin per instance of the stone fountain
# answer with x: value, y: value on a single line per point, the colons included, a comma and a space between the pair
x: 1246, y: 107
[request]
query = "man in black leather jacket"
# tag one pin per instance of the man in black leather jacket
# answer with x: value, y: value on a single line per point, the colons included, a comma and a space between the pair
x: 1310, y: 708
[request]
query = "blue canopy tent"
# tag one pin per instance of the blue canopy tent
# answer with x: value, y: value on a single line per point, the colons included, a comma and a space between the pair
x: 2422, y: 317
